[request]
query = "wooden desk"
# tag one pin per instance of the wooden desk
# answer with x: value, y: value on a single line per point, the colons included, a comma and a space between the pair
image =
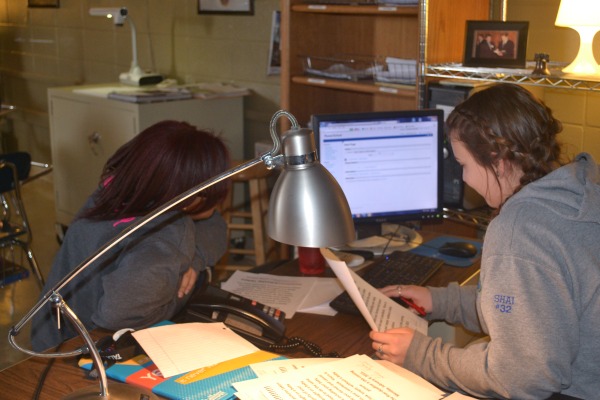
x: 346, y: 334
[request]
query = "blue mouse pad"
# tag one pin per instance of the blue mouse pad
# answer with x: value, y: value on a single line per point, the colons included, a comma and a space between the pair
x: 430, y: 249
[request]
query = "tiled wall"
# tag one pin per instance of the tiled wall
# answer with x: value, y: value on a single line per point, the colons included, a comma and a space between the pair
x: 580, y: 114
x: 48, y: 47
x: 578, y: 110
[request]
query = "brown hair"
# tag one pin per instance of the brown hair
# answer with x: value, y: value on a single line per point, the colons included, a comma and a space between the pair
x: 506, y: 122
x: 163, y: 161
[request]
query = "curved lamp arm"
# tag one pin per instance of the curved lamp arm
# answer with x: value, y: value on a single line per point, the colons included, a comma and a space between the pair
x: 315, y: 187
x: 268, y: 158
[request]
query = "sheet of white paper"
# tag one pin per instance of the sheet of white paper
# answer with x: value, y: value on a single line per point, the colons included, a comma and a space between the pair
x: 276, y: 367
x: 458, y: 396
x: 380, y: 312
x: 342, y: 271
x: 290, y: 294
x: 180, y: 348
x: 406, y: 374
x: 323, y: 291
x: 267, y: 371
x: 349, y: 378
x: 99, y: 92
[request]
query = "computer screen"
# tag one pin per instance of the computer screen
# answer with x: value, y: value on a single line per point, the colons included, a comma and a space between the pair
x: 389, y: 164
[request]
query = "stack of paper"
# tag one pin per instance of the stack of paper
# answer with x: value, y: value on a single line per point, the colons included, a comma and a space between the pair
x: 289, y: 294
x: 357, y: 377
x: 215, y: 90
x: 150, y: 95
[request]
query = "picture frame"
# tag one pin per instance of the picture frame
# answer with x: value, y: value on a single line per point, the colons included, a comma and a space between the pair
x: 43, y: 3
x: 242, y: 7
x: 496, y: 44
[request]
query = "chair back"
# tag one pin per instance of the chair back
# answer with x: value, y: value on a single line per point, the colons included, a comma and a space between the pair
x: 21, y: 161
x: 14, y: 226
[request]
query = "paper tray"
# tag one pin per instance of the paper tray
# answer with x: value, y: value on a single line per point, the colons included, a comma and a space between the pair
x: 350, y: 68
x: 396, y: 70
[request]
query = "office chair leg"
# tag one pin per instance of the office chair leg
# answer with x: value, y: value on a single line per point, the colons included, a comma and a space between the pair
x: 35, y: 268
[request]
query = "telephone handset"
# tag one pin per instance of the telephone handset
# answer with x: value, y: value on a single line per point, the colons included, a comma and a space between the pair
x: 260, y: 324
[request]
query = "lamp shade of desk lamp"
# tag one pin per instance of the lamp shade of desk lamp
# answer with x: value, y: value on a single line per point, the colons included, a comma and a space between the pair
x: 307, y: 206
x: 311, y: 210
x: 584, y: 17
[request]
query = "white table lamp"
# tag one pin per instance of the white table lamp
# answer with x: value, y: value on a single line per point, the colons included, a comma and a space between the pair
x: 584, y: 17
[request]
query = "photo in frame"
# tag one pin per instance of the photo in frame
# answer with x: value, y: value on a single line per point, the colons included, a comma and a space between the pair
x: 496, y: 44
x: 226, y: 7
x: 43, y: 3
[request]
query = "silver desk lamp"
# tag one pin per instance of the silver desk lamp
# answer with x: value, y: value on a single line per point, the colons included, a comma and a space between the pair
x: 307, y: 208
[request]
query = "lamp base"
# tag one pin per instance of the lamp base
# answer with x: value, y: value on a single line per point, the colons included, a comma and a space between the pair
x: 148, y: 78
x: 116, y: 391
x: 585, y: 62
x: 582, y: 68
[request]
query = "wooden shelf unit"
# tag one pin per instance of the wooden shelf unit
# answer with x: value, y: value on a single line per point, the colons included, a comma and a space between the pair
x: 431, y: 31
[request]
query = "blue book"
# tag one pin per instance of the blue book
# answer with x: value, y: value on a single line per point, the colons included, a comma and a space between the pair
x: 213, y: 382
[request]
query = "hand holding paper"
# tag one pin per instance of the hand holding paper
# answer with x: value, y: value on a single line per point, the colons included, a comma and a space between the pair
x: 380, y: 312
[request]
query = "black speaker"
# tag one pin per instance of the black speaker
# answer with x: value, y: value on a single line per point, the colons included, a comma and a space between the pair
x: 453, y: 186
x: 455, y: 193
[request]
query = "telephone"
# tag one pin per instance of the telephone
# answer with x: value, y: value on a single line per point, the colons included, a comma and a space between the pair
x: 258, y: 323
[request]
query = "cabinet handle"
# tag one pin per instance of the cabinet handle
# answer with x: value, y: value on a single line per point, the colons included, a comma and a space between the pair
x: 93, y: 140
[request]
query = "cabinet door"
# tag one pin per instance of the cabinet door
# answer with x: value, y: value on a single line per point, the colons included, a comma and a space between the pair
x: 83, y: 136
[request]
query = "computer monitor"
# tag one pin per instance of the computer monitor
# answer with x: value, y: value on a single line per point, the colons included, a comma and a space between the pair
x: 389, y: 164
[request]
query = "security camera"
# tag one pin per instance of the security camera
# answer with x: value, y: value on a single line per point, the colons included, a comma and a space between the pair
x: 118, y: 14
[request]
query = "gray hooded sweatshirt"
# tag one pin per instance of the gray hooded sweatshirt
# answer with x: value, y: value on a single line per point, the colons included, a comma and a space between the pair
x: 538, y: 298
x: 135, y: 284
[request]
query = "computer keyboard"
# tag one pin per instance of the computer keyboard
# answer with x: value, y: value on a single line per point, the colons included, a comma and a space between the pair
x: 397, y: 268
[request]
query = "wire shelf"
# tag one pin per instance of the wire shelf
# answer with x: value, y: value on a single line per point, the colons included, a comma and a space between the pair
x: 557, y: 79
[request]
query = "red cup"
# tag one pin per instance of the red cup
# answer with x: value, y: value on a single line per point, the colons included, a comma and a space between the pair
x: 311, y: 260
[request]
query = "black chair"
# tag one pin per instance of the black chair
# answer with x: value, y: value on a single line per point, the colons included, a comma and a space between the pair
x: 15, y: 232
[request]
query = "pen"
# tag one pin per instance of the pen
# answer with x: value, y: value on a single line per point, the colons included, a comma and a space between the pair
x: 412, y: 305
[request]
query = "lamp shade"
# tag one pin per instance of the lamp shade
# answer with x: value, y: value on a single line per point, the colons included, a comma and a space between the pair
x: 578, y: 13
x: 584, y: 17
x: 307, y: 207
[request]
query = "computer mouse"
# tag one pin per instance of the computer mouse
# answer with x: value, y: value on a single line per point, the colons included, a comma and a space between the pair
x: 458, y: 249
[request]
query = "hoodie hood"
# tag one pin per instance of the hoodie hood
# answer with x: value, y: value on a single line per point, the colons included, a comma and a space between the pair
x: 571, y: 191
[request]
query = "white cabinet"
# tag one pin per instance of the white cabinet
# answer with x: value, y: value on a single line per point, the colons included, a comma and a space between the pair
x: 86, y: 128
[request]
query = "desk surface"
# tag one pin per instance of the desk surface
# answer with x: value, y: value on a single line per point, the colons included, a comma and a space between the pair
x: 346, y: 334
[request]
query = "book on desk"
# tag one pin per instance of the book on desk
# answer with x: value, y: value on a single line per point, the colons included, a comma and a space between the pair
x: 150, y: 95
x: 245, y: 377
x: 207, y: 382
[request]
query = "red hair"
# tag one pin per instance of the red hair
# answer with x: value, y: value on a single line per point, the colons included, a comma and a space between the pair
x: 158, y: 164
